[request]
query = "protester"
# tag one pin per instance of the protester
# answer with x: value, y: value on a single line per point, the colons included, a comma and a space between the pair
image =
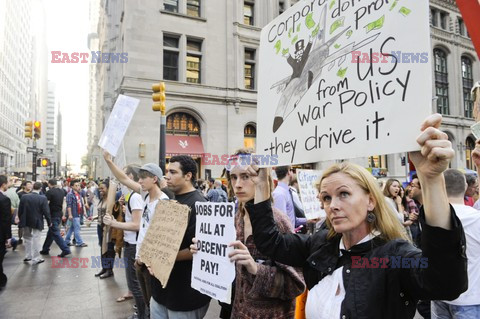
x: 179, y: 299
x: 55, y: 196
x: 148, y: 186
x: 468, y: 304
x: 363, y: 229
x: 264, y: 288
x: 133, y: 215
x: 472, y: 189
x: 282, y: 199
x: 104, y: 234
x: 5, y: 226
x: 217, y: 194
x: 75, y: 209
x: 31, y: 211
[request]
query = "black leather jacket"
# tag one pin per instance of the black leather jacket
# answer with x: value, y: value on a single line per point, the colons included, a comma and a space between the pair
x: 390, y: 292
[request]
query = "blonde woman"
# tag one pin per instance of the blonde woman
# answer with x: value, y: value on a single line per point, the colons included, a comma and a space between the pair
x: 363, y: 266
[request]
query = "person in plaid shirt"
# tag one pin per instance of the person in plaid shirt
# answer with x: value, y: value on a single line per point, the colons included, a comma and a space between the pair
x: 75, y: 209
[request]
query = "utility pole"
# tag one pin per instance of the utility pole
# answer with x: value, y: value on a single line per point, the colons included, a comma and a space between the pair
x: 34, y: 162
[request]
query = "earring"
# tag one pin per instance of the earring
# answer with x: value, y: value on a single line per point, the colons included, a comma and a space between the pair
x: 371, y: 217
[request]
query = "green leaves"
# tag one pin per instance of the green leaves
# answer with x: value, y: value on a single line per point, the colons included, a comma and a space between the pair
x: 405, y: 11
x: 342, y: 72
x: 278, y: 46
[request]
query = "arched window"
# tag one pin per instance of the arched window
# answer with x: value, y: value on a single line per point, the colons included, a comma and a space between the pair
x: 249, y: 136
x: 469, y: 147
x: 182, y: 124
x: 441, y: 81
x: 467, y: 84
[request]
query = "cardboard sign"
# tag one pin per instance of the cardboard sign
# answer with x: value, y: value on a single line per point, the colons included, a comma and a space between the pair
x: 163, y: 238
x: 212, y: 271
x: 340, y: 79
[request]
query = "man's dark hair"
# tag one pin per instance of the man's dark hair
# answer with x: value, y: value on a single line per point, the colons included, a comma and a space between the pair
x: 454, y: 183
x: 52, y: 181
x: 37, y: 186
x: 211, y: 180
x: 282, y: 171
x: 471, y: 179
x: 416, y: 176
x: 187, y: 165
x: 73, y: 182
x: 3, y: 180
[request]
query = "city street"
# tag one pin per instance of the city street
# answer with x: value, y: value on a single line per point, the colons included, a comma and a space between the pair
x: 41, y: 291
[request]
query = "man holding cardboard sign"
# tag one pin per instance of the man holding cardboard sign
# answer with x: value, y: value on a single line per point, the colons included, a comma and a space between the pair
x: 178, y: 299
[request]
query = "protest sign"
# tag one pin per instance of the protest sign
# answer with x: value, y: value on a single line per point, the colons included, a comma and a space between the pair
x: 118, y: 123
x: 307, y: 183
x: 344, y: 77
x: 163, y: 238
x: 212, y: 271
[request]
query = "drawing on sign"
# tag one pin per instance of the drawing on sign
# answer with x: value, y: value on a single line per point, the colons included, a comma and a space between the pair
x: 344, y: 77
x: 308, y: 62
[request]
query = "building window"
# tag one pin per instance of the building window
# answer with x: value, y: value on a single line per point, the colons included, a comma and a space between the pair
x: 170, y: 58
x: 469, y: 147
x: 182, y: 124
x: 193, y: 8
x: 441, y: 81
x: 250, y: 69
x: 467, y: 83
x: 194, y: 60
x: 248, y: 7
x: 170, y: 5
x: 377, y: 161
x: 462, y: 29
x: 443, y: 20
x: 249, y: 136
x: 282, y: 6
x: 434, y: 17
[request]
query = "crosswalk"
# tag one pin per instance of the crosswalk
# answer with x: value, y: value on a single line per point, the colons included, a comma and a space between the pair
x: 88, y: 230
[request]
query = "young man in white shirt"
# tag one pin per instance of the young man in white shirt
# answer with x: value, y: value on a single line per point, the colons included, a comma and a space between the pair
x: 148, y: 189
x: 468, y: 304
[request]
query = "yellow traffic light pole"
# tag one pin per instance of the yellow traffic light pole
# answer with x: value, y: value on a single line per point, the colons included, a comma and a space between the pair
x: 33, y: 131
x: 159, y: 98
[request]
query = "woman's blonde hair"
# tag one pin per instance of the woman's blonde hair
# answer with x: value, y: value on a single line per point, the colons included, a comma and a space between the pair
x: 246, y: 151
x: 385, y: 222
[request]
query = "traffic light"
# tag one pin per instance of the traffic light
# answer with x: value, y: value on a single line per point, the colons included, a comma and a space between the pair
x: 28, y: 129
x: 43, y: 162
x: 37, y: 129
x: 158, y: 97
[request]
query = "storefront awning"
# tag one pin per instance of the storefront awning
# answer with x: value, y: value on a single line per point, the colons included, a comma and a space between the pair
x: 184, y: 145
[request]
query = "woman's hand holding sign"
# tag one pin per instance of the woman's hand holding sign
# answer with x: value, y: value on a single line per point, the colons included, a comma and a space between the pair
x: 242, y: 256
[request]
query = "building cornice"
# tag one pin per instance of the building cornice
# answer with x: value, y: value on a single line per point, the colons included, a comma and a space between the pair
x: 447, y: 4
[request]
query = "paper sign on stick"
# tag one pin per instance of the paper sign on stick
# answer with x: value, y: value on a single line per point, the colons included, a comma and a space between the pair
x: 307, y: 183
x: 163, y: 238
x: 212, y: 271
x: 118, y: 123
x: 339, y: 79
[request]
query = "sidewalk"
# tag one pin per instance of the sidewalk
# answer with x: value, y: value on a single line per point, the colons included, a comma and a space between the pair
x: 41, y: 291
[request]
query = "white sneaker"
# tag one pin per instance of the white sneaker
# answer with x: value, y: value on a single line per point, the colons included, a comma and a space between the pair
x: 38, y: 261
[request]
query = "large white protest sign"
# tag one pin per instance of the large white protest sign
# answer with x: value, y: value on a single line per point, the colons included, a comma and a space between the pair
x: 307, y: 183
x: 345, y: 77
x: 212, y: 271
x: 118, y: 123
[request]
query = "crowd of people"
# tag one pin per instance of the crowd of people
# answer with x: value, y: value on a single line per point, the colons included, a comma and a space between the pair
x: 281, y: 256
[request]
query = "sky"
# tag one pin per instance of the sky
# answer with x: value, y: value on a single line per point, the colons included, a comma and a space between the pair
x: 67, y: 30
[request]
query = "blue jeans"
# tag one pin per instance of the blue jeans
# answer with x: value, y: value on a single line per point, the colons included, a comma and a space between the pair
x: 54, y: 234
x: 75, y: 228
x: 443, y: 310
x: 158, y: 311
